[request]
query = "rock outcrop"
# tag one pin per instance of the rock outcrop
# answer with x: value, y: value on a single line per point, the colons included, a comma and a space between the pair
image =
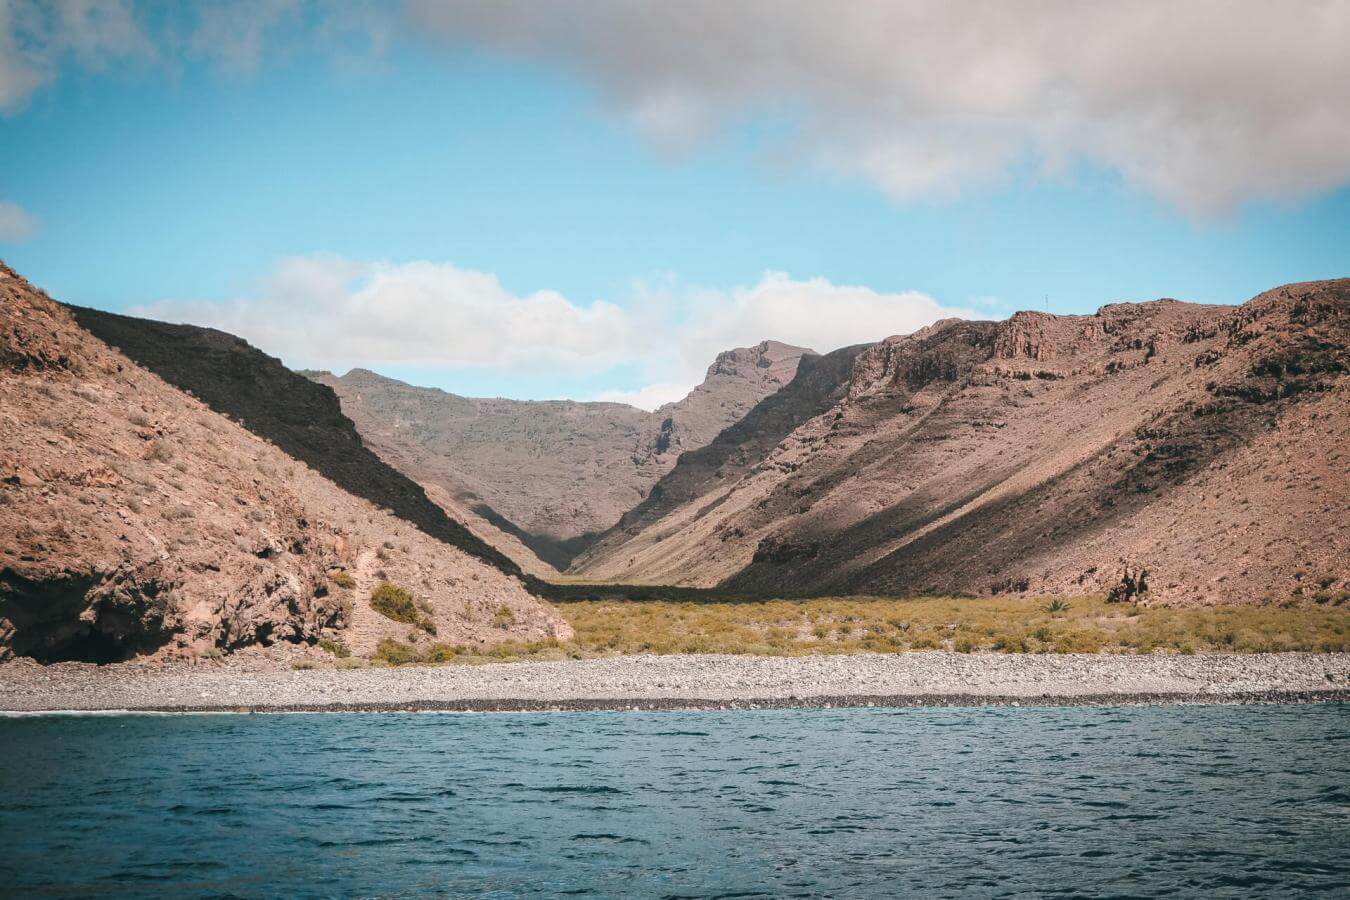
x: 540, y: 479
x: 136, y: 519
x: 1201, y: 444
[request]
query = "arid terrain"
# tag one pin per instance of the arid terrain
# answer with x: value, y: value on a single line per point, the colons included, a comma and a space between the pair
x: 550, y: 475
x: 139, y: 519
x: 169, y: 492
x: 1201, y: 448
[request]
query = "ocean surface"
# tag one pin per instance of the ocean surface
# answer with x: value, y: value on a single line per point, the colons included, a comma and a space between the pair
x: 1120, y: 801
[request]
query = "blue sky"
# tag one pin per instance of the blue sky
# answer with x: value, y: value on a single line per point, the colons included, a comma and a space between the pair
x: 182, y: 188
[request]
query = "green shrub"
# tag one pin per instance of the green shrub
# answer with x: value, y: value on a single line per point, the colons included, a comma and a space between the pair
x: 441, y: 653
x: 334, y: 648
x: 395, y: 653
x: 393, y: 603
x: 503, y: 618
x: 342, y: 579
x: 397, y: 604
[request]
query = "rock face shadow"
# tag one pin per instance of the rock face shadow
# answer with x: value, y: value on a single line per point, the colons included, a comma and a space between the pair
x: 301, y: 417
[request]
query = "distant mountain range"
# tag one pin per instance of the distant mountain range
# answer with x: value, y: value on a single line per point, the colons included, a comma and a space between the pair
x: 550, y: 475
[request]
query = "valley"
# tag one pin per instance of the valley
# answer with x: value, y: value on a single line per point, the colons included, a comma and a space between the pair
x: 1159, y: 477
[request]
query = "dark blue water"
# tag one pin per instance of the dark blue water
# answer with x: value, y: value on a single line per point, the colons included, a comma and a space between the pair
x: 1118, y: 801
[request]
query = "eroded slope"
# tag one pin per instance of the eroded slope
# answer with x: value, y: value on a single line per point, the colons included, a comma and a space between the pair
x: 138, y: 520
x: 1204, y: 444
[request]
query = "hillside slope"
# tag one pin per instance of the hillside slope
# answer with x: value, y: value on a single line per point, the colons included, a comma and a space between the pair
x: 1203, y: 444
x: 301, y: 417
x: 816, y: 387
x: 136, y: 519
x: 551, y: 474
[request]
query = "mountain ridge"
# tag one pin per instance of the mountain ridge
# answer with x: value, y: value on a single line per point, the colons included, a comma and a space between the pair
x: 1032, y: 454
x: 551, y: 473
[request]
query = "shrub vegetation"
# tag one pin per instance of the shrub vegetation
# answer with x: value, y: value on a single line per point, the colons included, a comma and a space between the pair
x: 1003, y: 624
x: 395, y: 603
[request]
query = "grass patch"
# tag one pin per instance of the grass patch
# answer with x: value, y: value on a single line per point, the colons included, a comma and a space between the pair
x: 334, y: 648
x: 1001, y: 624
x: 879, y: 625
x: 390, y: 652
x: 395, y: 603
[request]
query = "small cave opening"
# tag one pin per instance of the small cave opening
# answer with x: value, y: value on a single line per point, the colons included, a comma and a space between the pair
x: 49, y: 622
x: 89, y: 645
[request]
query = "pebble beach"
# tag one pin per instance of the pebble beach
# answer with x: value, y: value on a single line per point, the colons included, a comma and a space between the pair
x: 683, y: 682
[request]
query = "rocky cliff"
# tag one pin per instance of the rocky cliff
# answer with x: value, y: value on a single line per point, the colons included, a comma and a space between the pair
x: 1201, y: 445
x: 137, y: 518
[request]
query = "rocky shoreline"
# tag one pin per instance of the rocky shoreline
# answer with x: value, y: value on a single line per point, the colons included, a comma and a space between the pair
x: 685, y: 682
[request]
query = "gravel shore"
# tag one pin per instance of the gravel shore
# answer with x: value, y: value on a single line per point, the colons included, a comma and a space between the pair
x: 687, y: 682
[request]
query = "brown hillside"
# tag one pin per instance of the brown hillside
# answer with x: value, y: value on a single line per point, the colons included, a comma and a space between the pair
x: 818, y: 385
x: 550, y: 475
x: 1204, y: 444
x: 135, y: 519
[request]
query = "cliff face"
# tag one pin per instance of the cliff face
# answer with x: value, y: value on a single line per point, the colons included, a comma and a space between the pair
x: 1045, y: 453
x: 137, y: 519
x: 541, y: 479
x: 819, y: 382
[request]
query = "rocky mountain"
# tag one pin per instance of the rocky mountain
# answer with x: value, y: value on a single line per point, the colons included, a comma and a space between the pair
x: 548, y: 476
x: 186, y: 494
x: 1202, y: 447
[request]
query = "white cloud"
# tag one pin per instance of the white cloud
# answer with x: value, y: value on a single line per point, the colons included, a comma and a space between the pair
x: 649, y: 398
x: 36, y: 37
x: 334, y: 313
x: 1206, y: 104
x: 15, y: 223
x: 812, y: 313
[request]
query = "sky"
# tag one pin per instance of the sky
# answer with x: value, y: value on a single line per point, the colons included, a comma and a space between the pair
x: 590, y: 200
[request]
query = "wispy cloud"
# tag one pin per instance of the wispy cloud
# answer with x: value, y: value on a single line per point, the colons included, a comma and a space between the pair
x: 15, y: 223
x: 1205, y: 104
x: 334, y: 313
x: 37, y: 38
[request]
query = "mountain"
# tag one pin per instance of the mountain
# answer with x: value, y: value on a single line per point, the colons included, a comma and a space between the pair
x: 186, y: 493
x: 1204, y: 445
x: 550, y: 475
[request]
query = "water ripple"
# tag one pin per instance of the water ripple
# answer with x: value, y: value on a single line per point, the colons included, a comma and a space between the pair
x: 1214, y: 801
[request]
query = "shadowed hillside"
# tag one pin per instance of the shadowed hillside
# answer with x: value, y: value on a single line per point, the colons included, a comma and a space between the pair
x: 137, y: 520
x: 301, y: 417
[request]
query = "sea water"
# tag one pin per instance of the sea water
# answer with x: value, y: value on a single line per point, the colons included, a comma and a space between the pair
x: 1136, y: 800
